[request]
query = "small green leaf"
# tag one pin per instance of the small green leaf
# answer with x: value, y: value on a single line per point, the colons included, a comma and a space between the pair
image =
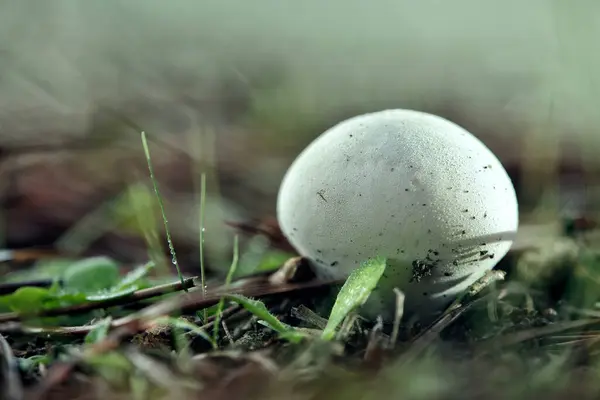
x: 28, y: 299
x: 91, y: 275
x: 292, y: 335
x: 258, y: 309
x: 111, y: 294
x: 355, y: 292
x: 134, y: 277
x: 28, y: 364
x: 64, y: 299
x: 99, y: 332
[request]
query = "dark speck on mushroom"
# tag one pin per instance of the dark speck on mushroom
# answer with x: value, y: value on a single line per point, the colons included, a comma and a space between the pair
x: 420, y: 270
x: 321, y: 194
x: 333, y: 264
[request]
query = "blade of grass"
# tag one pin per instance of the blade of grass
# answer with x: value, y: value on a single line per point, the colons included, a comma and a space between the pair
x: 201, y: 238
x: 162, y: 208
x: 99, y: 332
x: 138, y: 199
x: 230, y: 274
x: 354, y: 293
x: 258, y: 309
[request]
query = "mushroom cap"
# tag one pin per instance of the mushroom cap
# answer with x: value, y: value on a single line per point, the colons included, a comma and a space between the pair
x: 406, y: 185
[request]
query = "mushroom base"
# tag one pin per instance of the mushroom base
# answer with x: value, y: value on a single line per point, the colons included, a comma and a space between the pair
x: 424, y: 301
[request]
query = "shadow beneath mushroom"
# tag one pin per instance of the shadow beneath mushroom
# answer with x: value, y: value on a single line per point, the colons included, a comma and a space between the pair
x: 433, y: 283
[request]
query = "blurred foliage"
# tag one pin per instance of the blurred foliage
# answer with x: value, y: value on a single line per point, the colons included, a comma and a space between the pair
x: 93, y: 279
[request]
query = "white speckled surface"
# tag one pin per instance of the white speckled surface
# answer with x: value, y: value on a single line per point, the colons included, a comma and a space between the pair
x: 406, y: 185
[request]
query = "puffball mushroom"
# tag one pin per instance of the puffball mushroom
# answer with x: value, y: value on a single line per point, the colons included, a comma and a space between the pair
x: 406, y: 185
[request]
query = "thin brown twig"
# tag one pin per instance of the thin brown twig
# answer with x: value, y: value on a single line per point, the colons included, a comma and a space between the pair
x: 256, y: 285
x: 252, y: 287
x: 134, y: 297
x: 19, y: 328
x: 143, y: 320
x: 261, y: 281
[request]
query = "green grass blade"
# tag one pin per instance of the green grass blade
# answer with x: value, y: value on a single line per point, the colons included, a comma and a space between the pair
x: 354, y: 293
x: 162, y: 208
x: 230, y: 274
x: 258, y: 309
x: 201, y: 236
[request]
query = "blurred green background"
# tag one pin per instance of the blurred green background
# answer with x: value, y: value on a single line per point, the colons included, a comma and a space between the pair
x: 237, y: 88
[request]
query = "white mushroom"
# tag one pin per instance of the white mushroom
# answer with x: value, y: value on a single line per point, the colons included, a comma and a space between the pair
x: 406, y: 185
